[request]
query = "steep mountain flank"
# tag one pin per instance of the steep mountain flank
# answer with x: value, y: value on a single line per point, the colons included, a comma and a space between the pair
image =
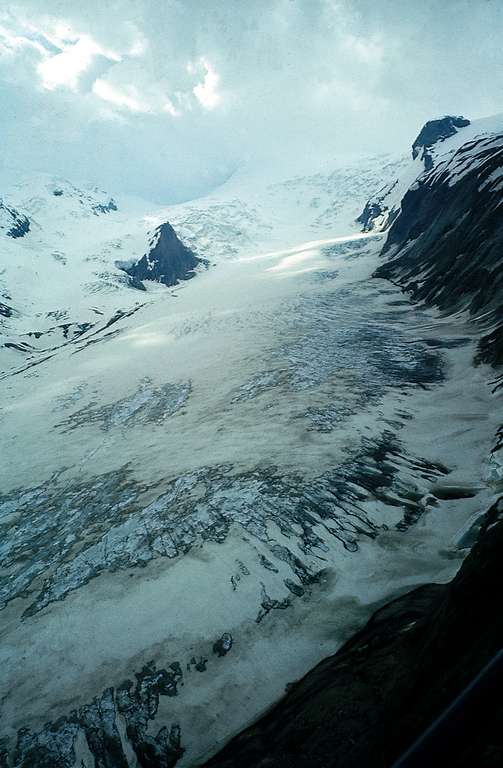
x: 383, y: 208
x: 446, y: 247
x: 379, y: 213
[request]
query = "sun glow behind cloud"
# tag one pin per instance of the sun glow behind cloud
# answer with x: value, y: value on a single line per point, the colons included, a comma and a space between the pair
x: 65, y: 68
x: 67, y: 59
x: 86, y: 84
x: 207, y: 92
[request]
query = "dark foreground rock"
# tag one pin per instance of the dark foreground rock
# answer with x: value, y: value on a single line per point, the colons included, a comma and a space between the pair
x: 364, y: 706
x: 168, y: 261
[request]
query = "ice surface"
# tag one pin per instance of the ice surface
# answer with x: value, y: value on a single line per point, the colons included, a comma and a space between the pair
x: 252, y: 454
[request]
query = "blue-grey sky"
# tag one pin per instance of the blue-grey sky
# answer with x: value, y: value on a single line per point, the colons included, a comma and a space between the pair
x: 163, y: 98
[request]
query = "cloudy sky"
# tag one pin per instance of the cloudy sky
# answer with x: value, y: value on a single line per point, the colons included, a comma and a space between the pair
x: 164, y: 98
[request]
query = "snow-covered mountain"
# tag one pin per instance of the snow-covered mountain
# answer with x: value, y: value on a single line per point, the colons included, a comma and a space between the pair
x: 436, y: 142
x: 85, y: 255
x: 207, y: 486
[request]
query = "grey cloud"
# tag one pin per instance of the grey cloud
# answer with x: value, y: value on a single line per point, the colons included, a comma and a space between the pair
x: 297, y: 77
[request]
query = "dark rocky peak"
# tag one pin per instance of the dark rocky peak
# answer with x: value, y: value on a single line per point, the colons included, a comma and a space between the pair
x: 6, y: 310
x: 12, y: 222
x: 167, y: 261
x: 434, y: 131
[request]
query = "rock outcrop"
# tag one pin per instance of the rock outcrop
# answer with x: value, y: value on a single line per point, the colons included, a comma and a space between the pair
x: 434, y: 131
x: 379, y: 212
x: 12, y: 222
x: 91, y: 200
x: 168, y: 261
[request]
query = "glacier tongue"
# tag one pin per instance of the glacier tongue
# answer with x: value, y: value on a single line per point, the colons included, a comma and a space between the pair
x: 205, y: 492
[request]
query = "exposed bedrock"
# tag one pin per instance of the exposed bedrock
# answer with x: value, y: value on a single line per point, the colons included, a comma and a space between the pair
x: 12, y: 222
x: 366, y: 704
x: 446, y: 247
x: 379, y: 212
x: 436, y: 131
x: 168, y: 260
x: 383, y: 208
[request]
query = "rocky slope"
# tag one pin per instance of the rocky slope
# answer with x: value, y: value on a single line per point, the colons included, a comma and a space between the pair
x: 365, y: 705
x: 433, y: 132
x: 436, y: 142
x: 446, y: 248
x: 12, y: 222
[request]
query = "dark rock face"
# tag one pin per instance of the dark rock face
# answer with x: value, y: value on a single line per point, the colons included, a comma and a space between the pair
x: 434, y: 131
x: 5, y: 310
x: 382, y: 209
x: 377, y: 214
x: 490, y: 348
x: 365, y: 705
x: 12, y: 222
x: 168, y: 260
x: 446, y: 247
x: 105, y: 207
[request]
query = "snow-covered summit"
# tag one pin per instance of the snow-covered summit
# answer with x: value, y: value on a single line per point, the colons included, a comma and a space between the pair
x: 46, y: 196
x: 64, y: 270
x: 433, y: 132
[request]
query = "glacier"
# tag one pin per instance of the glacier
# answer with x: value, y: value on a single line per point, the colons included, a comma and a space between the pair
x: 207, y: 487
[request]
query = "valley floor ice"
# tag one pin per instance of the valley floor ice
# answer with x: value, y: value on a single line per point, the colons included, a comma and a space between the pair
x: 268, y: 452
